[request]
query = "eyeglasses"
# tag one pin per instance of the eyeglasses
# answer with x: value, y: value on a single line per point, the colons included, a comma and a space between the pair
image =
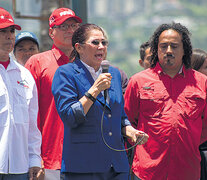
x: 97, y: 42
x: 65, y: 27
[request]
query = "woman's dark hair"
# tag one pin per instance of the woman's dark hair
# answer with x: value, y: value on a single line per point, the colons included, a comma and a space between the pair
x: 183, y: 31
x: 198, y: 58
x: 81, y: 35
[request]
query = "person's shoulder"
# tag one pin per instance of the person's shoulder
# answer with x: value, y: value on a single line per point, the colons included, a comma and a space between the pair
x: 21, y: 67
x: 143, y: 73
x: 66, y: 67
x: 117, y: 69
x: 114, y: 69
x: 25, y: 73
x: 197, y: 75
x: 42, y: 56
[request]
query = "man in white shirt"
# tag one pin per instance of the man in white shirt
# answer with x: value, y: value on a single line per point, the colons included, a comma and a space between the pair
x: 20, y: 139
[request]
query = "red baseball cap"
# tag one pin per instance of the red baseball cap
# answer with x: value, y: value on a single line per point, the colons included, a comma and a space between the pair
x: 58, y: 16
x: 6, y: 20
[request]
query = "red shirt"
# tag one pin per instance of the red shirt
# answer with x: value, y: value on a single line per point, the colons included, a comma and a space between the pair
x: 5, y: 63
x: 170, y: 111
x: 43, y: 67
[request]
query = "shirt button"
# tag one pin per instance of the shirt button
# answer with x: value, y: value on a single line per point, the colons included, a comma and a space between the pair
x: 110, y: 133
x: 109, y: 115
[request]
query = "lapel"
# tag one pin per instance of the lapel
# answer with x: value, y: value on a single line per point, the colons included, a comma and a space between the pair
x: 83, y: 75
x: 87, y: 81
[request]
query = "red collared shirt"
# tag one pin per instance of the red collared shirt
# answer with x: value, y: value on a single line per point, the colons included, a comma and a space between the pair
x: 170, y: 111
x: 43, y: 67
x: 5, y: 64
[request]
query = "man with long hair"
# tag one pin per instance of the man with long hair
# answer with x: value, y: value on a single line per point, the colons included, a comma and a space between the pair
x: 167, y: 101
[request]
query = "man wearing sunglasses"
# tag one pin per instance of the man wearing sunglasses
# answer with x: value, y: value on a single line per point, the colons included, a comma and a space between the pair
x: 20, y: 139
x: 63, y: 22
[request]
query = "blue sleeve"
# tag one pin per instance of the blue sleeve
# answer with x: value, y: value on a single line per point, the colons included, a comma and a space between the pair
x: 125, y: 122
x: 66, y: 98
x: 124, y: 119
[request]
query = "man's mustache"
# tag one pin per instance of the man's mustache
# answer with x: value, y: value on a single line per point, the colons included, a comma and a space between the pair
x: 169, y: 56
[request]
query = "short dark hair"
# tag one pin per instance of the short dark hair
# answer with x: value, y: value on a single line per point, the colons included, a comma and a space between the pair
x: 187, y: 46
x: 81, y: 35
x: 142, y: 50
x: 198, y: 58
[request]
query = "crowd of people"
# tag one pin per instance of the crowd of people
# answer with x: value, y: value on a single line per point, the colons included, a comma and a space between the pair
x: 67, y: 114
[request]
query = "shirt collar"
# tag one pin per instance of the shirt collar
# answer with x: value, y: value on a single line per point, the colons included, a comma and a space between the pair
x: 12, y: 64
x: 92, y: 70
x: 59, y: 54
x: 5, y: 63
x: 159, y: 69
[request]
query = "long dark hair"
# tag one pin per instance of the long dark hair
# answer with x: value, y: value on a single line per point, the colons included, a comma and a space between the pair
x: 198, y: 58
x: 183, y: 31
x: 81, y: 35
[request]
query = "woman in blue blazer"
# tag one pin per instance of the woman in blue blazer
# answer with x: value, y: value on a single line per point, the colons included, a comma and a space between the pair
x: 78, y: 92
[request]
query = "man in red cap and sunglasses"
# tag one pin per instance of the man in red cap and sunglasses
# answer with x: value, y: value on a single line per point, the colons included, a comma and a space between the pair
x: 20, y: 139
x: 63, y: 22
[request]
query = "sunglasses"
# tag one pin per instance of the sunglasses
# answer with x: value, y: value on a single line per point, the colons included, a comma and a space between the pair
x: 97, y: 42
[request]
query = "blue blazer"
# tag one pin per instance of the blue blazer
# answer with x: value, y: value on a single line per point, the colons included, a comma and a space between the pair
x: 83, y: 148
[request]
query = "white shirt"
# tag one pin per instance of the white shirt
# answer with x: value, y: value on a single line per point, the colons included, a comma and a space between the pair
x: 20, y: 139
x: 92, y: 71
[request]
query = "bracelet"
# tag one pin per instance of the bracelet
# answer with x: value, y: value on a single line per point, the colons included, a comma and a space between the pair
x: 88, y: 95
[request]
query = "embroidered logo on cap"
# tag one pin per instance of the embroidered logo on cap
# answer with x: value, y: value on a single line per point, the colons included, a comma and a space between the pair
x: 25, y: 34
x: 66, y: 13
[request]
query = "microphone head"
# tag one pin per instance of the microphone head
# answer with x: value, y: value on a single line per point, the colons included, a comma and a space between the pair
x: 105, y: 66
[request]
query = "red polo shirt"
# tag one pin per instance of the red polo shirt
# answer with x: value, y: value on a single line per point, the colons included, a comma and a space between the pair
x: 43, y: 67
x: 170, y: 111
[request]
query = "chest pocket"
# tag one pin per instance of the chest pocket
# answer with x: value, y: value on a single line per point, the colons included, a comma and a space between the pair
x: 152, y: 100
x: 194, y: 104
x: 23, y: 95
x: 21, y: 104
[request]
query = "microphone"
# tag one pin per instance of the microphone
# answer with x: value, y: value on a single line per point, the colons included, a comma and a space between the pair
x: 105, y: 66
x: 105, y: 69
